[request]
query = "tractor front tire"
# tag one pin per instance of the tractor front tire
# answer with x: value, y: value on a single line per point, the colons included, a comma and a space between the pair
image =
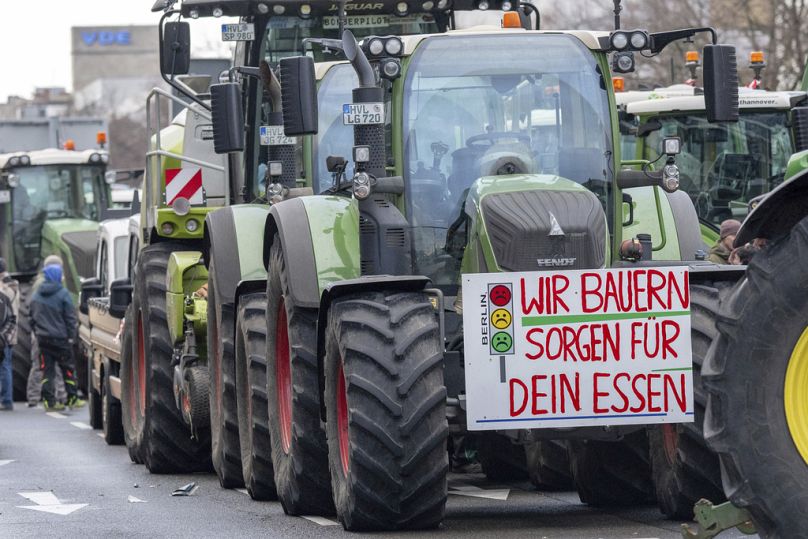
x: 169, y: 445
x: 22, y: 356
x: 224, y: 432
x: 684, y: 468
x: 756, y: 375
x: 386, y: 412
x: 607, y: 473
x: 299, y: 448
x: 548, y: 465
x: 251, y: 389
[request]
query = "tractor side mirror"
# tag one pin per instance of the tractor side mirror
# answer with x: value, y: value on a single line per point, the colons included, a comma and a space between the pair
x: 120, y: 296
x: 90, y: 288
x: 175, y: 48
x: 800, y: 122
x: 228, y: 117
x: 720, y: 83
x: 299, y: 96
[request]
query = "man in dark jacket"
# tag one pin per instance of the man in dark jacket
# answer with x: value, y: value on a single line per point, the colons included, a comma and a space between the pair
x: 53, y: 319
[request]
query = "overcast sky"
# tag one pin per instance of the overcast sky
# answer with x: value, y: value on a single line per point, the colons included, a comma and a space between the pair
x: 35, y: 37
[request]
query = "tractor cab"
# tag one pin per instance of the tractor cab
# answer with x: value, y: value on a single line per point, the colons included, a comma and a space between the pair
x: 50, y: 202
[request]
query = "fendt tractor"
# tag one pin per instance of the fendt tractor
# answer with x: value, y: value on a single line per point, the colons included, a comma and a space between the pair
x: 364, y: 328
x: 178, y: 381
x: 51, y: 201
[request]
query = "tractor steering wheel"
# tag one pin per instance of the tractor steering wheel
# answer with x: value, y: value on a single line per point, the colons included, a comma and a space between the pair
x: 477, y: 142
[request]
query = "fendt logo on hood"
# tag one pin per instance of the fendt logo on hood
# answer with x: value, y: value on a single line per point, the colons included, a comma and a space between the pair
x: 358, y: 6
x: 555, y: 262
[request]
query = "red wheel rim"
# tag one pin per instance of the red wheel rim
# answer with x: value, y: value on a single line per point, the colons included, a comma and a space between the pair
x: 283, y: 377
x: 342, y: 421
x: 670, y: 442
x: 141, y: 364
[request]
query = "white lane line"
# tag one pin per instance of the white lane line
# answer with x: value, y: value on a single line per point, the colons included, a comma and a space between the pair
x: 243, y: 491
x: 4, y: 462
x: 490, y: 494
x: 56, y: 415
x: 47, y: 502
x: 321, y: 521
x: 134, y: 499
x: 99, y: 434
x: 80, y: 425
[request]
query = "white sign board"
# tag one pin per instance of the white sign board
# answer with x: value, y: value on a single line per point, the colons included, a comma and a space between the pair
x: 238, y: 32
x: 272, y: 135
x: 577, y: 348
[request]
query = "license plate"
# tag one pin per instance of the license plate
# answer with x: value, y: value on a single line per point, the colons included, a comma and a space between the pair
x: 363, y: 113
x: 272, y: 135
x: 357, y: 21
x: 238, y: 32
x: 5, y: 196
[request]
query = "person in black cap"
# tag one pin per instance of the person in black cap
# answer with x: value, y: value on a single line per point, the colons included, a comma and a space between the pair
x: 9, y: 309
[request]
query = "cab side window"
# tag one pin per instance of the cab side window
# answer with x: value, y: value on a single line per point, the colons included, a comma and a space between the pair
x: 103, y: 273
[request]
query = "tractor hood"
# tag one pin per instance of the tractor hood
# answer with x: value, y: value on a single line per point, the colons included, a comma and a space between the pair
x: 75, y: 241
x: 539, y: 222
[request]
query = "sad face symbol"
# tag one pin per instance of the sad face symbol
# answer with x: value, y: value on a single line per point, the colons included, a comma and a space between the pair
x: 500, y: 295
x: 501, y: 342
x: 501, y: 319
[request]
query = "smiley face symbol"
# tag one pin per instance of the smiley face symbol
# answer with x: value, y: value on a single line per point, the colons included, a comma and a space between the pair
x: 500, y: 319
x: 501, y: 342
x: 500, y: 295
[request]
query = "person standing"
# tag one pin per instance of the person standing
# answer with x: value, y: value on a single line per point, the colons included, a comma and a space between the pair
x: 33, y: 392
x: 53, y: 319
x: 9, y: 310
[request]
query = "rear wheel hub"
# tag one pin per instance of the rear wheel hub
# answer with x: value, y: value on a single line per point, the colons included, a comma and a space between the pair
x: 795, y: 396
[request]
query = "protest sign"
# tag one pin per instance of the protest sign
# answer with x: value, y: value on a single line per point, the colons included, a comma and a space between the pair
x: 577, y: 348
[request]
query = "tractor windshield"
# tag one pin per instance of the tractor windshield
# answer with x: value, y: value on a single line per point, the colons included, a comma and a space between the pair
x: 534, y: 101
x: 284, y: 34
x: 724, y: 166
x: 52, y: 192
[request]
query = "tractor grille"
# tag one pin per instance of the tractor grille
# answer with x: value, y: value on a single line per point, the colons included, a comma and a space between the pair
x: 545, y: 230
x: 82, y: 250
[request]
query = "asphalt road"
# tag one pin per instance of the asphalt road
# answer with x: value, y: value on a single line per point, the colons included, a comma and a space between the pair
x: 58, y: 478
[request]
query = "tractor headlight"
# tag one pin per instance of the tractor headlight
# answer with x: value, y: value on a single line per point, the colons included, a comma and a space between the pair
x: 13, y: 180
x: 391, y: 69
x: 217, y: 12
x: 506, y: 6
x: 673, y: 146
x: 639, y: 40
x: 192, y: 225
x: 670, y: 178
x: 619, y: 40
x: 278, y: 9
x: 14, y: 161
x: 361, y: 154
x: 361, y: 185
x: 305, y: 11
x: 428, y: 5
x: 104, y: 158
x: 25, y: 160
x: 95, y: 158
x: 166, y: 229
x: 262, y: 8
x: 181, y: 206
x: 393, y: 46
x: 402, y: 8
x: 376, y: 47
x: 623, y: 62
x: 482, y: 5
x: 443, y: 4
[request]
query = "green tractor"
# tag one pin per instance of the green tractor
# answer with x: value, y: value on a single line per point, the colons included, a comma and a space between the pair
x: 183, y: 377
x: 364, y: 325
x: 50, y: 203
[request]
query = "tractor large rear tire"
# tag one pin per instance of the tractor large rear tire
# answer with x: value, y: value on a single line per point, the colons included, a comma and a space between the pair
x: 612, y: 473
x: 684, y: 468
x: 501, y: 459
x: 21, y: 359
x: 299, y: 448
x: 169, y: 446
x: 132, y: 416
x: 548, y: 465
x: 251, y: 390
x: 756, y: 375
x: 386, y: 412
x: 224, y: 434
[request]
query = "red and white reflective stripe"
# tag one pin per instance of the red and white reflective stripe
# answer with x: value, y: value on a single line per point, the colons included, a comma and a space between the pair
x: 185, y: 183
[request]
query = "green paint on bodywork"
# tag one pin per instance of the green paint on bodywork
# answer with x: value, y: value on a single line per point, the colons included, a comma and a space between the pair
x: 167, y: 215
x: 708, y: 234
x: 334, y: 225
x: 796, y: 164
x: 249, y: 222
x: 184, y: 276
x: 52, y: 243
x: 651, y: 211
x: 478, y: 243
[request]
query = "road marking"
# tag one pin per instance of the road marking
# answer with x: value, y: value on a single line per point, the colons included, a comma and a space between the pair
x: 243, y: 491
x: 80, y: 425
x: 321, y: 521
x: 56, y: 415
x: 477, y: 492
x: 99, y: 434
x: 47, y: 502
x: 4, y: 462
x: 134, y: 499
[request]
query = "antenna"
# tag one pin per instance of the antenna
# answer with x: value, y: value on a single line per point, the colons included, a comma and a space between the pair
x: 617, y: 9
